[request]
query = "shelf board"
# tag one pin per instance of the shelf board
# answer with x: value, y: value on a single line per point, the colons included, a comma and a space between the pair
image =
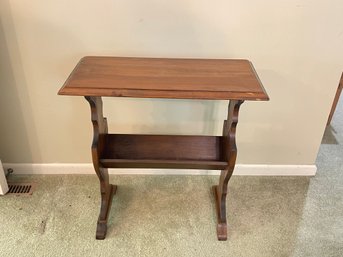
x: 163, y: 151
x: 163, y: 164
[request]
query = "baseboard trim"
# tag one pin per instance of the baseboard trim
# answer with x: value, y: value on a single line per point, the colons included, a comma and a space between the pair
x: 87, y: 168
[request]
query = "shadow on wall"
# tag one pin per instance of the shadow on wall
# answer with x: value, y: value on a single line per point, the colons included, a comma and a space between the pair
x: 165, y: 116
x: 17, y: 127
x: 199, y: 116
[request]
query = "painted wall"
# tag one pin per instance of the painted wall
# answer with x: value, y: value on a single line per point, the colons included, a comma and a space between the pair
x: 295, y: 45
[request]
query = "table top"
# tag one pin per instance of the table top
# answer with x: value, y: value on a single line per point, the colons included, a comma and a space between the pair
x: 218, y: 79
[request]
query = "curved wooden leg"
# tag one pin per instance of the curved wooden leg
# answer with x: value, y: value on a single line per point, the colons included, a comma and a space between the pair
x: 106, y: 189
x: 230, y: 152
x: 220, y: 192
x: 107, y: 193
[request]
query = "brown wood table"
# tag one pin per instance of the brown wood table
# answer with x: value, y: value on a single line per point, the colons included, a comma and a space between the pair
x: 212, y: 79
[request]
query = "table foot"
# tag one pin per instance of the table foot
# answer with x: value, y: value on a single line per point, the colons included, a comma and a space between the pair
x: 221, y: 221
x: 106, y: 202
x: 222, y: 231
x: 101, y: 230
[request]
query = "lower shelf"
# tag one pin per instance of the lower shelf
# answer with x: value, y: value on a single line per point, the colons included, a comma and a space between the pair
x: 163, y: 151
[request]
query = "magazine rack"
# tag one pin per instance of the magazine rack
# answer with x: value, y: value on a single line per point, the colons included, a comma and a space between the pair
x: 212, y: 79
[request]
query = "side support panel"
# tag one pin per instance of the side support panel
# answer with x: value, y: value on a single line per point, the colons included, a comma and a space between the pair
x: 106, y: 189
x: 230, y: 152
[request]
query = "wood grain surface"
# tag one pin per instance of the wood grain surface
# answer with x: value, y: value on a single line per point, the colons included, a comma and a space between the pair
x: 165, y: 78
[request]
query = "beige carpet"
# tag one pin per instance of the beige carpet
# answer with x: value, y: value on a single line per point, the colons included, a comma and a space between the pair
x: 152, y: 216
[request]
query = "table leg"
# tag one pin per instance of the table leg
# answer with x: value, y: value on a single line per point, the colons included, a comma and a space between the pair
x: 107, y: 192
x: 106, y: 189
x: 230, y: 152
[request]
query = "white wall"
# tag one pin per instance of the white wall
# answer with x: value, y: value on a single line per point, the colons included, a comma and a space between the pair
x: 295, y: 45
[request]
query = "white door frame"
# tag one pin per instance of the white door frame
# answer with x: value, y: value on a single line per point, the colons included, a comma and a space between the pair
x: 3, y: 181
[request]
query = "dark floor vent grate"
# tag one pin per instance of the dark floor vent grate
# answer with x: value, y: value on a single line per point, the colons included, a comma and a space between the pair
x: 20, y: 188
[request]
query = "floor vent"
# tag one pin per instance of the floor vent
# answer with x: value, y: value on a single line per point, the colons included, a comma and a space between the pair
x: 20, y: 188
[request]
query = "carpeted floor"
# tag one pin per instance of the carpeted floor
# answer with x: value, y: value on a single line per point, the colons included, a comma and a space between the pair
x: 175, y: 216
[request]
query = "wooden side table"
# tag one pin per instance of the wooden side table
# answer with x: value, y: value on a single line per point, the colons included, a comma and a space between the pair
x: 213, y: 79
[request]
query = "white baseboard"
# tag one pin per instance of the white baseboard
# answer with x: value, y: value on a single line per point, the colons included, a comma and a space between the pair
x: 87, y: 168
